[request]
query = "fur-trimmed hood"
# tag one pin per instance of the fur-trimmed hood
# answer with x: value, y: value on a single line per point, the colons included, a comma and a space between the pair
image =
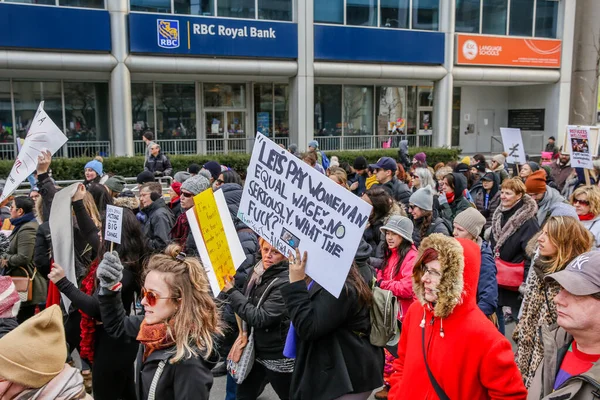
x: 460, y: 261
x: 133, y: 203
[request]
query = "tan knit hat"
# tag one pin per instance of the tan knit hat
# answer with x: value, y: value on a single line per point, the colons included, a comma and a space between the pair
x: 34, y: 352
x: 471, y: 220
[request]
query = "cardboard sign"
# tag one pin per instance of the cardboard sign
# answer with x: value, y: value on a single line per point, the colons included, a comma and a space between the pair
x: 114, y: 224
x: 578, y: 139
x: 513, y: 145
x: 43, y: 135
x: 292, y: 205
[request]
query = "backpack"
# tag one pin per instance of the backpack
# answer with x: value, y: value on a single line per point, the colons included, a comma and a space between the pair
x: 384, y: 318
x: 325, y: 160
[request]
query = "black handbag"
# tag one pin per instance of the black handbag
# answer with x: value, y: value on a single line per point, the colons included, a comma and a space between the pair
x: 436, y: 386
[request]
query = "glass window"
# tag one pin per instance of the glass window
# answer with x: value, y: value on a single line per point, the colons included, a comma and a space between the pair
x: 27, y: 98
x: 82, y: 3
x: 329, y: 11
x: 425, y: 14
x: 494, y: 17
x: 282, y: 110
x: 142, y: 108
x: 328, y: 110
x: 175, y: 111
x: 411, y: 110
x: 467, y: 15
x: 391, y: 112
x: 46, y: 2
x: 231, y: 95
x: 425, y: 97
x: 194, y: 7
x: 394, y: 13
x: 6, y: 125
x: 358, y: 110
x: 235, y: 8
x: 86, y: 110
x: 278, y: 10
x: 546, y: 18
x: 263, y: 108
x: 157, y: 6
x: 361, y: 12
x: 521, y: 18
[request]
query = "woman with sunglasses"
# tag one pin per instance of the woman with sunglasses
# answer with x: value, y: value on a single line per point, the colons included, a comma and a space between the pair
x: 111, y: 359
x: 422, y: 177
x: 177, y: 331
x: 586, y: 200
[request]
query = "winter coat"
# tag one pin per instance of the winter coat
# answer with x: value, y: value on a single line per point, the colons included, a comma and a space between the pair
x: 487, y: 287
x: 158, y: 225
x: 493, y: 203
x: 449, y: 211
x: 560, y: 173
x: 42, y: 253
x: 175, y: 207
x: 438, y: 225
x: 547, y: 203
x: 398, y: 190
x: 403, y: 155
x: 270, y: 321
x: 467, y: 355
x: 594, y: 227
x: 580, y: 387
x: 500, y: 173
x: 400, y: 284
x: 7, y: 325
x: 186, y: 380
x: 333, y: 354
x: 160, y: 163
x: 362, y: 183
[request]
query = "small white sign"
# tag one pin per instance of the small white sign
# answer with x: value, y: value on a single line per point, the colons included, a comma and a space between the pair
x: 513, y: 145
x: 467, y: 117
x: 114, y: 224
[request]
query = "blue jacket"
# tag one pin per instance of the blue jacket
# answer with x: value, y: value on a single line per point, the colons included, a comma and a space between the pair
x: 487, y: 288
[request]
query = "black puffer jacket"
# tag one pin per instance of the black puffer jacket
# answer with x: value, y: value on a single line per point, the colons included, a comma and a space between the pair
x: 270, y: 321
x: 158, y: 225
x: 160, y: 163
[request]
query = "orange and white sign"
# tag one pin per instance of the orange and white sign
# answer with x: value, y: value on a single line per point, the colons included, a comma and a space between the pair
x: 508, y: 51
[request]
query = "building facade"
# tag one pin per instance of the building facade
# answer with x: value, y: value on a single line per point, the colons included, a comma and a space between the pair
x: 205, y: 75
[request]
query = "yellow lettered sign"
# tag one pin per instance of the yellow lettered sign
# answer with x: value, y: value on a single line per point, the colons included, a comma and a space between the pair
x: 213, y: 234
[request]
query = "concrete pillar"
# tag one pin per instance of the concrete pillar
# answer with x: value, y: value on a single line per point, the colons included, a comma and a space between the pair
x: 442, y: 90
x: 120, y: 82
x: 584, y: 89
x: 302, y: 85
x: 567, y: 17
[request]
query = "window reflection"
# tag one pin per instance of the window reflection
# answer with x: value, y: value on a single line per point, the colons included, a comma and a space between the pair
x: 546, y: 18
x: 361, y: 12
x: 194, y: 7
x: 494, y: 17
x: 27, y: 97
x: 358, y: 110
x: 176, y: 110
x: 467, y: 16
x: 142, y: 108
x: 328, y: 110
x: 232, y: 95
x: 277, y: 10
x: 329, y: 11
x: 426, y: 14
x: 236, y: 8
x: 157, y: 6
x: 521, y: 18
x: 395, y: 13
x: 86, y: 111
x: 82, y: 3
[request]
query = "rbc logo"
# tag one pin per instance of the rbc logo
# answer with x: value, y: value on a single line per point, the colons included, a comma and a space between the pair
x: 168, y: 33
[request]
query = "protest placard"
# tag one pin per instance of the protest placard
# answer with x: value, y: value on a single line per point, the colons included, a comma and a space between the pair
x: 291, y: 205
x: 513, y: 145
x: 43, y: 135
x: 114, y: 224
x: 578, y: 138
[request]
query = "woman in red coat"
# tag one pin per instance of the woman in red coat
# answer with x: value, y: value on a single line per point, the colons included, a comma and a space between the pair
x: 467, y: 356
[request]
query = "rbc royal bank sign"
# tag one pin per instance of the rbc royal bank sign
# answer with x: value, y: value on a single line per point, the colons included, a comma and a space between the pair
x: 161, y: 34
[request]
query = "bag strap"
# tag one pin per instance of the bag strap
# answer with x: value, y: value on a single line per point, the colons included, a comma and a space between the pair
x: 26, y: 272
x: 157, y: 374
x: 436, y: 386
x: 267, y: 290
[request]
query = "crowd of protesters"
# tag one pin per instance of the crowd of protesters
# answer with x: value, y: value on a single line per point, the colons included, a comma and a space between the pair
x: 466, y: 247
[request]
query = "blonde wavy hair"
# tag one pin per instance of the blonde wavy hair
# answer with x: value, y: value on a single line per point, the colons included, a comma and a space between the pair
x: 92, y: 210
x: 570, y: 238
x: 197, y: 321
x: 593, y: 196
x: 340, y: 175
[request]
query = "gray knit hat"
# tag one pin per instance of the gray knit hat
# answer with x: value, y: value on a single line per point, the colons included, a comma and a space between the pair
x: 471, y: 220
x: 400, y: 225
x: 423, y: 198
x: 196, y: 184
x: 181, y: 176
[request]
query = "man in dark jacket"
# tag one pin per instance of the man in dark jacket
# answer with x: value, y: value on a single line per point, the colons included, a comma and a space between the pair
x: 358, y: 182
x: 386, y: 176
x: 159, y: 219
x: 551, y: 146
x: 561, y: 170
x: 158, y: 163
x: 403, y: 157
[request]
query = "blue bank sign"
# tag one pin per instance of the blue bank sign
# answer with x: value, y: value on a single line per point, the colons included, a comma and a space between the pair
x: 150, y: 33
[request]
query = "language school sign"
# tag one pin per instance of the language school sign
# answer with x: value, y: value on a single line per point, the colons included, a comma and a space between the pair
x: 292, y: 205
x: 153, y: 33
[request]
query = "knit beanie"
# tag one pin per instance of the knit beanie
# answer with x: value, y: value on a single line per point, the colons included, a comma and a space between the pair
x: 9, y: 298
x: 313, y: 143
x: 423, y: 198
x: 480, y: 166
x: 499, y: 158
x: 360, y: 163
x: 115, y: 183
x: 533, y: 165
x: 145, y: 177
x: 214, y: 168
x: 181, y: 176
x: 194, y: 169
x: 461, y: 168
x: 466, y: 160
x: 471, y: 220
x: 420, y: 157
x: 536, y: 182
x: 196, y: 184
x: 95, y: 165
x: 34, y: 352
x: 176, y: 186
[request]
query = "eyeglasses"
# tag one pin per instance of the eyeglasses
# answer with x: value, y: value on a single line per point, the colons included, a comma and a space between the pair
x: 187, y: 194
x: 151, y: 297
x: 431, y: 272
x: 582, y: 202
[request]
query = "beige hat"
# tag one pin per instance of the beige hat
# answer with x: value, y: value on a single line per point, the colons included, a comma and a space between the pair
x: 471, y: 220
x: 34, y: 352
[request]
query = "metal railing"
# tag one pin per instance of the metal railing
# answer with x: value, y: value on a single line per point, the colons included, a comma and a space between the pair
x: 372, y: 142
x: 130, y: 184
x: 7, y: 151
x: 70, y: 149
x: 205, y: 146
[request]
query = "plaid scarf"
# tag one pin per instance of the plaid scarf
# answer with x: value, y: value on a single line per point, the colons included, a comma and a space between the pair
x: 156, y: 337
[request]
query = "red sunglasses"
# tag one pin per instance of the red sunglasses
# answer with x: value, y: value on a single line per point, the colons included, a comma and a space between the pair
x: 152, y: 297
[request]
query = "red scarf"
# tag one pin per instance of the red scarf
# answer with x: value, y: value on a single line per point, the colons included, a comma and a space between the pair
x: 88, y: 324
x: 181, y: 230
x: 155, y: 337
x: 586, y: 217
x: 450, y: 197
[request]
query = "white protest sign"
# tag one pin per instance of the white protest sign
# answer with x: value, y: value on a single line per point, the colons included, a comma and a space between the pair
x: 513, y: 145
x: 114, y: 224
x: 578, y: 139
x: 292, y: 205
x: 43, y: 135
